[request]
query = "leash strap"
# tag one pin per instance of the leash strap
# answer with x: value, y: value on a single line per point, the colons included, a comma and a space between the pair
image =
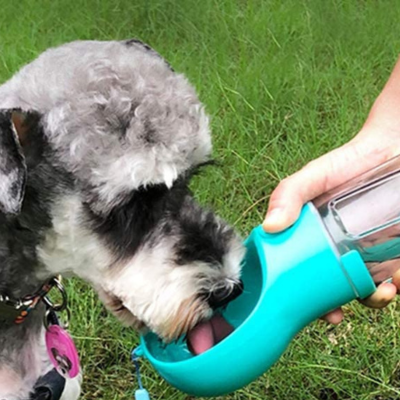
x: 141, y: 393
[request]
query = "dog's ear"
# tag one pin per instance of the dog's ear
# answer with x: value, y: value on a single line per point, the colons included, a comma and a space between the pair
x: 13, y: 170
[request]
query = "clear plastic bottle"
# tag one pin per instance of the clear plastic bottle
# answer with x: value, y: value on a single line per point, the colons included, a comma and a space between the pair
x: 364, y: 215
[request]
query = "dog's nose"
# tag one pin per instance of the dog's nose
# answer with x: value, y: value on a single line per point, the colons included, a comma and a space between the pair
x: 222, y: 296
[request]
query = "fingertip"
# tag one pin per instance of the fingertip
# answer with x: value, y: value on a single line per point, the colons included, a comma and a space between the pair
x: 383, y: 295
x: 275, y: 220
x: 278, y: 219
x: 335, y: 317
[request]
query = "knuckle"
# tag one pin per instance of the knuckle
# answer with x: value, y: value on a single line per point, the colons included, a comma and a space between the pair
x: 284, y: 184
x: 280, y: 190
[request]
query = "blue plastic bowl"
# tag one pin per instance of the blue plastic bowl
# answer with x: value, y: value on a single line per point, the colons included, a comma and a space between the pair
x: 290, y: 279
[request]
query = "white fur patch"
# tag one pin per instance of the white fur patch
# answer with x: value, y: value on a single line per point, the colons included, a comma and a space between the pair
x: 9, y: 201
x: 232, y: 260
x: 10, y: 382
x: 35, y: 362
x: 72, y: 388
x: 69, y: 248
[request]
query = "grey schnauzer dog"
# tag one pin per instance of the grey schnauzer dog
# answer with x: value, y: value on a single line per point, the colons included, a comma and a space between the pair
x: 98, y: 142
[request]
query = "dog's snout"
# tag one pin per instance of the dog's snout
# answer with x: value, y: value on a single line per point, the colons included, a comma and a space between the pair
x: 223, y: 295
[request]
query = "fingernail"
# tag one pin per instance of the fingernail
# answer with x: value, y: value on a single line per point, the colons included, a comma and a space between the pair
x: 275, y: 219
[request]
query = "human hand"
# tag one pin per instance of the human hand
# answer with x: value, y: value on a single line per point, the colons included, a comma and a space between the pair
x: 377, y: 142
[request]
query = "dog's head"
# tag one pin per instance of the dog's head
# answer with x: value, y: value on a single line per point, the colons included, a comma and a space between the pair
x: 100, y: 139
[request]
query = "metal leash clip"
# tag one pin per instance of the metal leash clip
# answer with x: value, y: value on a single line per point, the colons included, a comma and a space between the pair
x: 53, y: 309
x: 57, y: 307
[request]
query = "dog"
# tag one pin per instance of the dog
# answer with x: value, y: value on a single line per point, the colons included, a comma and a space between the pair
x: 98, y: 143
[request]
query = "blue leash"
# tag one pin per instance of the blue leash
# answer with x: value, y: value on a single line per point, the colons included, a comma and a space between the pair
x: 141, y: 393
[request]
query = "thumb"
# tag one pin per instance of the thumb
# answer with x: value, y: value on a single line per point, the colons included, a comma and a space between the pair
x: 317, y: 177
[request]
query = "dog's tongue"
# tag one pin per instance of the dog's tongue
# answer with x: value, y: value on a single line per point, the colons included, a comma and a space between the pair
x: 207, y: 334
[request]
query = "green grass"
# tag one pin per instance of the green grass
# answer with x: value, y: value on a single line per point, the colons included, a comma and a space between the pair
x: 284, y: 82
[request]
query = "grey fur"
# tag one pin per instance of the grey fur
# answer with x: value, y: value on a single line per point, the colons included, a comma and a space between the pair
x: 88, y: 91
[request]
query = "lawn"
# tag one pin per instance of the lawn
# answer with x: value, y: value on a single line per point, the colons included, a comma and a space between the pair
x: 284, y: 82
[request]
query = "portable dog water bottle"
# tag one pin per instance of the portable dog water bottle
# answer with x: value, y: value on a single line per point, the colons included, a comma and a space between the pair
x: 343, y: 243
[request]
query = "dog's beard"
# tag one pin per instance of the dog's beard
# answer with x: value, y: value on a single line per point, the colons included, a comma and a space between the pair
x: 201, y: 334
x: 151, y: 292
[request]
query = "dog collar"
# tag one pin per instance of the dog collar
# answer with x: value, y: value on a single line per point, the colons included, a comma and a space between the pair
x: 18, y: 310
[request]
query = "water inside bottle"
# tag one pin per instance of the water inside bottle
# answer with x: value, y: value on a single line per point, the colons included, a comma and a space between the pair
x: 171, y: 352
